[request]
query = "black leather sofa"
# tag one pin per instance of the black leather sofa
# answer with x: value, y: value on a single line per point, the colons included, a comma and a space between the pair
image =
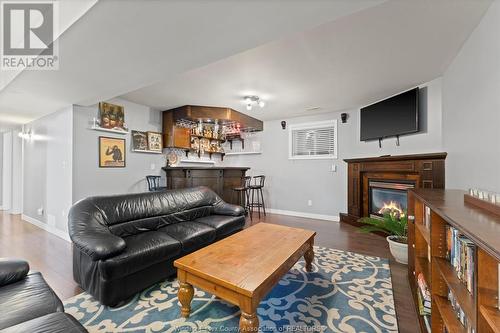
x: 123, y: 244
x: 28, y: 304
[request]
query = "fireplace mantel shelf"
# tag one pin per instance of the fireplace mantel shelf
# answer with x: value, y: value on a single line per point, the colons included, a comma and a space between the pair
x: 423, y: 170
x: 430, y: 156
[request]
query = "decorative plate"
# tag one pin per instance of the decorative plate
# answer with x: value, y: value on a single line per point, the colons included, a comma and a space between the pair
x: 173, y: 158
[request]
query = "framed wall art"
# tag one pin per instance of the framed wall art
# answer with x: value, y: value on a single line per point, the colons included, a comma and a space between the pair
x: 111, y: 116
x: 155, y: 141
x: 111, y: 152
x: 139, y: 141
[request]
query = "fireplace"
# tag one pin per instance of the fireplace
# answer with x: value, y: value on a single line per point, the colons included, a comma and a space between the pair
x: 418, y: 171
x: 387, y: 195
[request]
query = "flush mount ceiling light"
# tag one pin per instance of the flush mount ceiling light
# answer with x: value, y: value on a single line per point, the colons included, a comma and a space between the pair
x: 250, y: 101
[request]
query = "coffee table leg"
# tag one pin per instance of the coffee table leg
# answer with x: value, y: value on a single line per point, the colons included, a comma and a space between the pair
x: 249, y: 322
x: 309, y: 257
x: 185, y: 296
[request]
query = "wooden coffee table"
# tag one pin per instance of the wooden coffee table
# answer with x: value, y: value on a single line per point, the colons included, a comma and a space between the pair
x: 244, y: 267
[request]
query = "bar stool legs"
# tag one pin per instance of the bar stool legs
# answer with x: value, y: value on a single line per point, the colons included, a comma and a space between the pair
x: 263, y: 204
x: 243, y: 193
x: 257, y: 196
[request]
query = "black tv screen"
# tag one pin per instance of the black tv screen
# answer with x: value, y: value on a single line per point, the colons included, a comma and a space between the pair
x: 394, y: 116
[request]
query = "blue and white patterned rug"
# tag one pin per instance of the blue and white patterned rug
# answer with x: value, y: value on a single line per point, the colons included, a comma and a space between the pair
x: 346, y: 292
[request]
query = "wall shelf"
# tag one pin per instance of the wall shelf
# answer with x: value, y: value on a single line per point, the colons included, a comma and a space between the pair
x: 207, y: 137
x: 197, y: 161
x: 109, y: 130
x: 147, y: 151
x: 244, y: 153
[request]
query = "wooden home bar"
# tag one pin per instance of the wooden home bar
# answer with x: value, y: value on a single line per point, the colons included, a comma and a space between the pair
x: 221, y: 180
x: 200, y: 131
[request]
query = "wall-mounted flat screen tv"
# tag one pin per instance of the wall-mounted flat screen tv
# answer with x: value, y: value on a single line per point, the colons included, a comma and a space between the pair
x: 397, y: 115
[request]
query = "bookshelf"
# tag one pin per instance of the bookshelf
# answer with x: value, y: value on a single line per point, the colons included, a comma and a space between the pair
x: 444, y: 228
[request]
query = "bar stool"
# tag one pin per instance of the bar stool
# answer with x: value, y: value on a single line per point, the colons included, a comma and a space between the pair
x: 242, y: 192
x: 154, y: 184
x: 257, y: 189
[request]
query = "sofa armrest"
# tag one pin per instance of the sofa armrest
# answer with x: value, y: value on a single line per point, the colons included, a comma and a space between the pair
x: 12, y: 270
x: 224, y: 208
x: 90, y: 234
x: 99, y: 245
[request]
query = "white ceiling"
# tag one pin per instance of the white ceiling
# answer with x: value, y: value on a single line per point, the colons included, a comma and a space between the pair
x: 349, y: 62
x: 69, y: 13
x: 120, y: 46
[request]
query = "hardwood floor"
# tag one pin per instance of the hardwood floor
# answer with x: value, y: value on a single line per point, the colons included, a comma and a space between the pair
x: 51, y: 255
x: 45, y: 252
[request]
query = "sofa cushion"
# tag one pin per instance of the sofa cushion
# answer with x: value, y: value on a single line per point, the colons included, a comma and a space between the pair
x: 58, y: 322
x: 142, y: 250
x: 26, y: 299
x: 191, y: 235
x: 223, y: 225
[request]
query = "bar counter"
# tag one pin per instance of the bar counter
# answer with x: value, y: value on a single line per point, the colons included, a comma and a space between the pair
x: 221, y: 180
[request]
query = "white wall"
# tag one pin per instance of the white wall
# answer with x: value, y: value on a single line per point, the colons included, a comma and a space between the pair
x: 89, y: 179
x: 471, y: 109
x: 17, y: 176
x: 47, y: 171
x: 1, y: 170
x: 11, y: 172
x: 7, y: 171
x: 291, y: 183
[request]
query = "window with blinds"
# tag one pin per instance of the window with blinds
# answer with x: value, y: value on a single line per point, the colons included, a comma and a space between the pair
x: 313, y: 140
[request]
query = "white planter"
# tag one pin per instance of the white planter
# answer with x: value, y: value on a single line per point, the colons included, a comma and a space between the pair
x: 398, y: 250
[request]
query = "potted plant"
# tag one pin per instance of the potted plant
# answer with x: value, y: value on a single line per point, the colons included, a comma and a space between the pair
x: 395, y: 224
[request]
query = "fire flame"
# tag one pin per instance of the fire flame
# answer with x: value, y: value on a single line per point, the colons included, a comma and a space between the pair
x: 392, y: 206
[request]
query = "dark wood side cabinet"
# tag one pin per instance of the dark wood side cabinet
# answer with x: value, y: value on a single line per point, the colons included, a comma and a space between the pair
x: 221, y: 180
x: 425, y: 170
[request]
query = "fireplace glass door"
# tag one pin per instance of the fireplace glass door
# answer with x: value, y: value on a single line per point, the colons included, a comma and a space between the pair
x: 385, y: 196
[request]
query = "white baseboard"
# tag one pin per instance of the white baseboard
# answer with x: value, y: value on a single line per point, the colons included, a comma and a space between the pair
x: 46, y: 227
x: 332, y: 218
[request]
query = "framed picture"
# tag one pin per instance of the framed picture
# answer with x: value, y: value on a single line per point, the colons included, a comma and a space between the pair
x: 111, y: 152
x: 139, y: 141
x: 155, y: 142
x: 111, y: 116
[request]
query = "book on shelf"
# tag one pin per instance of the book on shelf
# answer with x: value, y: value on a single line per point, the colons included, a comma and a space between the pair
x: 427, y: 322
x: 461, y: 316
x: 422, y: 309
x: 461, y: 254
x: 427, y: 217
x: 423, y: 296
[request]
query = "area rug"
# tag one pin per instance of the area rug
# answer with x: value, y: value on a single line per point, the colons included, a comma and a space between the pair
x: 346, y: 292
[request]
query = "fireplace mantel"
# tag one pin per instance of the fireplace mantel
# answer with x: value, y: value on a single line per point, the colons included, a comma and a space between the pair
x: 427, y: 171
x: 384, y: 158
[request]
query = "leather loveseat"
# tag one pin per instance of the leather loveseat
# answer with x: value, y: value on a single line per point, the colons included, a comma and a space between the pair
x: 28, y: 304
x: 123, y: 244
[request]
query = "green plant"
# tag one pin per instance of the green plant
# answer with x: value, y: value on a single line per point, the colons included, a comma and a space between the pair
x: 393, y: 223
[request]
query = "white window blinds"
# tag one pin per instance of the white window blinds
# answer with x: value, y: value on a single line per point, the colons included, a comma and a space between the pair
x: 313, y: 140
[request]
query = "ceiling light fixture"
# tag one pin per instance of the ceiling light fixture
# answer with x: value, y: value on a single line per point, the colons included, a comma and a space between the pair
x: 26, y: 135
x: 251, y: 100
